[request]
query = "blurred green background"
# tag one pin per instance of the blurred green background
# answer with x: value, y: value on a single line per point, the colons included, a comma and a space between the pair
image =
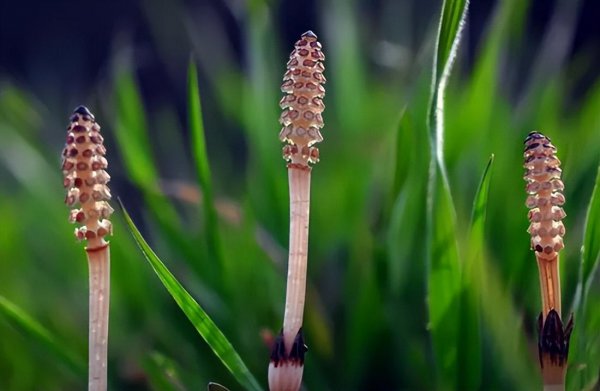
x: 522, y: 66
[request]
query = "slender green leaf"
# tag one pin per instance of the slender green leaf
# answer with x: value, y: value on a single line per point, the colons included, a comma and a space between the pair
x: 39, y: 334
x: 590, y: 252
x: 452, y: 19
x: 202, y: 166
x: 451, y: 25
x: 470, y: 338
x: 478, y: 214
x: 585, y: 354
x: 443, y: 258
x: 443, y: 279
x: 201, y: 321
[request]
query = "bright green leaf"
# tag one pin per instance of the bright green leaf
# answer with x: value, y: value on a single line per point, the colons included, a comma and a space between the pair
x: 201, y: 321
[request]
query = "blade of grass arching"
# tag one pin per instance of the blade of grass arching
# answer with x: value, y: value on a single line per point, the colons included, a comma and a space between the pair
x: 451, y: 24
x: 162, y: 373
x: 442, y: 248
x: 211, y: 224
x: 41, y: 336
x: 207, y: 329
x: 469, y: 334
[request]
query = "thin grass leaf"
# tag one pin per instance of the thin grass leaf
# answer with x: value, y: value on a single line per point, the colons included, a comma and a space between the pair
x: 454, y: 13
x: 202, y: 166
x: 585, y: 355
x: 41, y: 336
x: 201, y: 321
x: 470, y: 346
x: 443, y: 279
x: 478, y: 213
x: 590, y: 252
x: 451, y: 24
x: 483, y: 298
x: 443, y: 259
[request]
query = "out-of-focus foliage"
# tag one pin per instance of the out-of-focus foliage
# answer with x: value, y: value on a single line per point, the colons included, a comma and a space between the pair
x: 367, y: 316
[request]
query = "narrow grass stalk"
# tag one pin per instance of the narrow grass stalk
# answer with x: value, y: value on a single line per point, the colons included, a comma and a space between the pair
x: 301, y: 118
x: 85, y: 179
x: 545, y: 199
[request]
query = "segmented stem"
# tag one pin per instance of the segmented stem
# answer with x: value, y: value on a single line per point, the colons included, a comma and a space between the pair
x: 545, y: 199
x: 86, y: 181
x: 301, y: 118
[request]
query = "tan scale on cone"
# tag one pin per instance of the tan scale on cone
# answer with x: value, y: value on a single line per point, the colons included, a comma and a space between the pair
x: 85, y: 178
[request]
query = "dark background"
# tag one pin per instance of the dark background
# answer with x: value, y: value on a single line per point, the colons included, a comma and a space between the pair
x: 47, y: 46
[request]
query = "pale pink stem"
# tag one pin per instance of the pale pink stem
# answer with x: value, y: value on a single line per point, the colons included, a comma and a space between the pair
x: 99, y: 273
x: 299, y: 182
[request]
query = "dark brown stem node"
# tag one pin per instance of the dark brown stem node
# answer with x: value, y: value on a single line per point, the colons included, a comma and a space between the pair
x: 553, y: 343
x: 296, y: 356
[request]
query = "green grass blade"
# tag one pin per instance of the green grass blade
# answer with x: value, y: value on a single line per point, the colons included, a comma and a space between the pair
x: 443, y: 278
x: 585, y: 354
x: 451, y: 23
x: 470, y: 346
x: 478, y: 213
x: 590, y: 251
x: 41, y: 336
x: 443, y: 259
x: 201, y: 321
x: 202, y: 166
